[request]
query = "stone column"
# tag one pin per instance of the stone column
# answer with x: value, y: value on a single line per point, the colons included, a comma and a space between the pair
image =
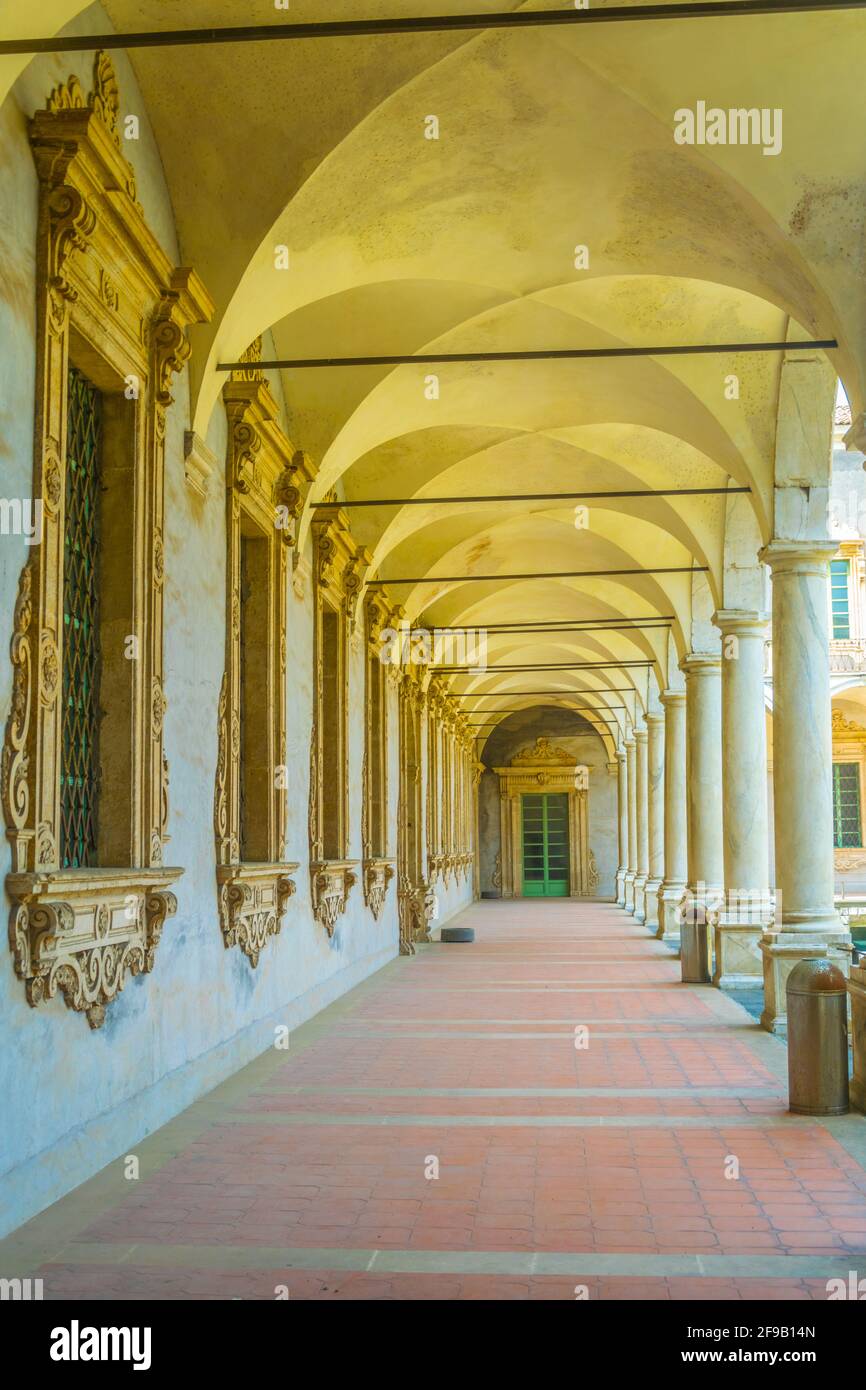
x: 704, y: 801
x: 622, y: 823
x: 739, y: 922
x: 631, y: 785
x: 642, y: 826
x: 655, y: 815
x: 806, y: 922
x: 676, y: 844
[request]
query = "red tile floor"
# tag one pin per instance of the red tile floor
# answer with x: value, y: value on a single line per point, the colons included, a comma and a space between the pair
x: 438, y: 1134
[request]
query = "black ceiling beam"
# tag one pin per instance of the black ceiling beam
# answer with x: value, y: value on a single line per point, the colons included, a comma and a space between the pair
x: 554, y: 574
x: 423, y: 24
x: 552, y: 666
x: 543, y: 497
x: 550, y: 694
x: 523, y: 708
x: 538, y: 355
x: 508, y: 629
x: 589, y: 713
x: 571, y: 624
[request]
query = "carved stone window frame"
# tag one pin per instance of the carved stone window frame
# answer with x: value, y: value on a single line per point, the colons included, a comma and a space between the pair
x: 105, y: 286
x: 339, y: 568
x: 849, y: 746
x: 436, y: 705
x: 377, y: 864
x: 264, y: 484
x: 415, y: 896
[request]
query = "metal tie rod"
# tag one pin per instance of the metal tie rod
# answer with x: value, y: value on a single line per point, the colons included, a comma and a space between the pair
x: 539, y: 497
x: 521, y: 355
x: 555, y: 574
x: 423, y: 24
x: 551, y: 694
x: 550, y: 666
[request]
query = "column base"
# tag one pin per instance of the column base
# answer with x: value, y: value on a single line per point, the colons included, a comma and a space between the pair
x: 640, y: 898
x: 651, y: 903
x: 737, y: 940
x: 620, y: 887
x: 670, y: 917
x: 781, y: 951
x: 629, y: 892
x: 857, y: 995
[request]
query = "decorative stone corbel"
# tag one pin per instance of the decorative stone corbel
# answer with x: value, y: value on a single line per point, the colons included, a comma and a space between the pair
x: 331, y: 881
x: 81, y: 933
x: 378, y: 873
x: 252, y: 900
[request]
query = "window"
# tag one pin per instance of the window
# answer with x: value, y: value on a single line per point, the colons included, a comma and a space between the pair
x: 338, y: 569
x: 839, y: 572
x: 254, y: 881
x: 257, y: 774
x: 378, y: 868
x: 79, y: 769
x: 847, y: 829
x: 90, y: 892
x: 333, y: 717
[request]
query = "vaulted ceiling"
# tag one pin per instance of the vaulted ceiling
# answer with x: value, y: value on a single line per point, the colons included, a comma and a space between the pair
x: 548, y: 139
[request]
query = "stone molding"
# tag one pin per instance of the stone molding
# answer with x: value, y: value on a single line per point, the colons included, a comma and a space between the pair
x: 130, y: 327
x: 260, y: 467
x: 81, y: 933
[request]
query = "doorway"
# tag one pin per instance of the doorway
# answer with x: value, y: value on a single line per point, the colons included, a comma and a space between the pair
x: 546, y: 869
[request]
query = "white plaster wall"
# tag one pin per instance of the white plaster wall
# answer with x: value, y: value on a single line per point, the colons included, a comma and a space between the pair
x: 73, y: 1100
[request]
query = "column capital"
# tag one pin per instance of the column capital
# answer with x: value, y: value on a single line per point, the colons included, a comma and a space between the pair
x: 655, y: 718
x: 799, y: 557
x: 672, y: 697
x: 741, y: 622
x: 640, y: 733
x: 620, y: 755
x: 701, y: 663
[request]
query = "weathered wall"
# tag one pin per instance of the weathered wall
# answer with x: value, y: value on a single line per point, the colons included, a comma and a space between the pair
x: 570, y: 731
x: 72, y: 1100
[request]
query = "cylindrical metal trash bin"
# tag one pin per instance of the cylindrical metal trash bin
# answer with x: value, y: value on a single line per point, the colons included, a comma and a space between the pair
x: 694, y: 944
x: 817, y: 1039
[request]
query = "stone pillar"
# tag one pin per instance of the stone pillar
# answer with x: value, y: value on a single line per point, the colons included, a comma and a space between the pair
x: 741, y: 919
x: 622, y: 823
x: 655, y: 815
x: 676, y: 862
x: 631, y: 785
x: 642, y: 826
x: 704, y: 802
x: 806, y: 922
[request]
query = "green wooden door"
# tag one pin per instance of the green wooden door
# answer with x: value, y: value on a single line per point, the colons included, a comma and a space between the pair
x: 545, y: 845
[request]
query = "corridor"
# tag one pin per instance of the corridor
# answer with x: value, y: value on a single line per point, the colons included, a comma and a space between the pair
x: 444, y: 1132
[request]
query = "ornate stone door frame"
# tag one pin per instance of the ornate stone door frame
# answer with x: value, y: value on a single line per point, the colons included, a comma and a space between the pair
x: 545, y: 768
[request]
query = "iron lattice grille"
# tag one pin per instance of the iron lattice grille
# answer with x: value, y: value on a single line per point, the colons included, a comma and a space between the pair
x: 847, y: 828
x: 78, y: 764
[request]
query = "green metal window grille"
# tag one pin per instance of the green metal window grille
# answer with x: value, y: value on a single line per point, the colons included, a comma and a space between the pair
x: 545, y: 845
x: 839, y: 598
x: 847, y: 831
x: 78, y: 760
